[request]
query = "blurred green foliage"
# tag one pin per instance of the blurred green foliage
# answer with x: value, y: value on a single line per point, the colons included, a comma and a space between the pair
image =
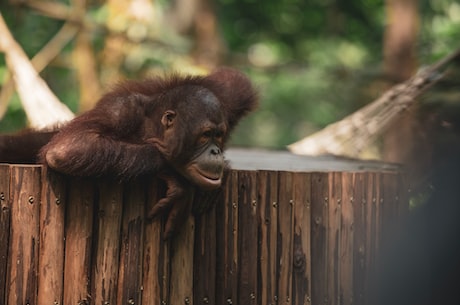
x: 314, y: 61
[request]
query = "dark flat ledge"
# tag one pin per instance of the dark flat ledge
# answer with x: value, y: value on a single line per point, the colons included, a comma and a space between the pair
x: 259, y: 159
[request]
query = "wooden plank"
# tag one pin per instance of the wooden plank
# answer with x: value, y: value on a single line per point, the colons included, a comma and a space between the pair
x: 227, y: 243
x: 285, y: 236
x: 375, y: 234
x: 51, y: 250
x: 359, y: 238
x: 346, y: 241
x: 79, y: 224
x: 247, y: 238
x: 182, y: 263
x: 205, y: 249
x: 369, y: 228
x: 22, y: 285
x: 130, y: 271
x: 156, y: 271
x: 107, y: 243
x: 333, y: 236
x: 5, y: 214
x: 319, y: 250
x: 268, y: 236
x: 301, y: 287
x: 204, y: 256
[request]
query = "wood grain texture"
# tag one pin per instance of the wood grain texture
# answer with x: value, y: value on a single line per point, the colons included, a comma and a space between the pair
x: 285, y: 237
x: 156, y: 258
x: 302, y: 281
x: 107, y: 242
x: 52, y: 223
x: 345, y: 293
x: 5, y: 214
x: 227, y: 243
x: 182, y: 267
x: 247, y: 238
x: 132, y: 230
x: 269, y: 238
x: 22, y: 283
x: 319, y: 235
x: 78, y: 243
x: 360, y: 235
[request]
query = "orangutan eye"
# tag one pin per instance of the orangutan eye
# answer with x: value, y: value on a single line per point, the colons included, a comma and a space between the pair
x: 207, y: 134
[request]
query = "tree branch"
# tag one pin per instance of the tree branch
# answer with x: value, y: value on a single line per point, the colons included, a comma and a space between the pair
x: 42, y: 107
x: 349, y: 136
x: 39, y: 61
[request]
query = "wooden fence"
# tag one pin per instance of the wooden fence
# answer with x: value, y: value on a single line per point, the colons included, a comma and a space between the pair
x: 272, y: 237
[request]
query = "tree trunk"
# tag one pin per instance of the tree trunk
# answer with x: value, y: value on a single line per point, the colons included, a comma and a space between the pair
x: 198, y: 18
x: 402, y: 139
x: 42, y: 107
x: 85, y: 64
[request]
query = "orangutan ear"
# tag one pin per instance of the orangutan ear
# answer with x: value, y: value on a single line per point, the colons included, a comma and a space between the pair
x: 168, y: 118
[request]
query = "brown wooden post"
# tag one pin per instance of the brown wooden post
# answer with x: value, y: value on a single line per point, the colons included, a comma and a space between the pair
x: 346, y: 242
x: 22, y: 284
x: 5, y: 214
x: 319, y: 254
x: 268, y: 236
x: 227, y: 243
x: 301, y: 289
x: 285, y: 237
x: 204, y: 261
x: 359, y: 247
x: 156, y: 271
x: 107, y: 247
x: 247, y: 238
x: 182, y: 267
x: 130, y: 271
x: 79, y: 234
x: 51, y: 250
x: 272, y: 237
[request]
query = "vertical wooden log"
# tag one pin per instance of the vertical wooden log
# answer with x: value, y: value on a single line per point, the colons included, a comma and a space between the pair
x: 22, y: 282
x: 5, y: 205
x: 360, y: 255
x: 204, y: 257
x: 130, y: 273
x: 156, y: 271
x: 227, y: 243
x: 285, y: 237
x: 247, y: 236
x: 375, y: 225
x: 182, y: 264
x: 369, y: 227
x: 268, y: 235
x: 107, y: 244
x: 319, y: 213
x: 52, y: 223
x: 334, y: 207
x: 79, y: 224
x: 346, y: 241
x: 301, y: 286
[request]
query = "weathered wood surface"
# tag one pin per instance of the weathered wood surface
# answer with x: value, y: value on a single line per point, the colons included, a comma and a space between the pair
x: 271, y: 237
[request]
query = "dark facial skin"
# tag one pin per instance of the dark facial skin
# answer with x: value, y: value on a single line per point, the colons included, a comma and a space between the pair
x: 198, y: 158
x: 202, y: 160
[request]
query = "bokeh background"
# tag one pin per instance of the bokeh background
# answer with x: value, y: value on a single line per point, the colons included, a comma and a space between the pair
x: 313, y: 61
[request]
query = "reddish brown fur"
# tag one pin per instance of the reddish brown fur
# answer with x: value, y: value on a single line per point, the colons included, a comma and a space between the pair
x: 174, y: 127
